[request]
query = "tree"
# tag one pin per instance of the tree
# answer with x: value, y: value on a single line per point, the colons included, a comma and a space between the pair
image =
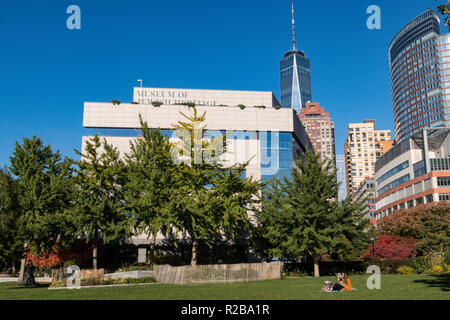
x: 428, y: 223
x: 150, y: 183
x: 351, y: 236
x: 99, y: 205
x: 11, y: 244
x: 444, y: 9
x: 44, y: 182
x: 393, y: 247
x: 210, y: 201
x: 301, y: 217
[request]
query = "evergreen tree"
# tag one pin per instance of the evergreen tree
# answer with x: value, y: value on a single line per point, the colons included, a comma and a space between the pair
x: 11, y: 244
x: 301, y: 217
x: 100, y: 210
x: 210, y: 201
x: 44, y: 181
x: 150, y: 183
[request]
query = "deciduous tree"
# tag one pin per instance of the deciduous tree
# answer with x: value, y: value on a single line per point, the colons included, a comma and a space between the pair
x: 99, y: 204
x: 44, y: 181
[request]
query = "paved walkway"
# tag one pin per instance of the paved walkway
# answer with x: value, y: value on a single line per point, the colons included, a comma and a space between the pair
x: 16, y: 279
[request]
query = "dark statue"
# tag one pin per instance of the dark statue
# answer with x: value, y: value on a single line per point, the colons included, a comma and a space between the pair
x: 28, y: 277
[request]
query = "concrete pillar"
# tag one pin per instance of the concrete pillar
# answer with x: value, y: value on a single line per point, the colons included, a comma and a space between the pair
x: 142, y: 254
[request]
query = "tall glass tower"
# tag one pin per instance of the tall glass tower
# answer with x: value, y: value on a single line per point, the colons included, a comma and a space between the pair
x: 295, y: 76
x: 419, y: 60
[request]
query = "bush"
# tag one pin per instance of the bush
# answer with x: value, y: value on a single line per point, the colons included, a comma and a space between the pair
x: 58, y: 284
x: 134, y: 267
x: 242, y: 106
x: 436, y: 269
x: 189, y: 104
x: 115, y: 101
x: 421, y: 264
x: 157, y: 103
x: 405, y: 270
x: 261, y: 107
x: 277, y: 107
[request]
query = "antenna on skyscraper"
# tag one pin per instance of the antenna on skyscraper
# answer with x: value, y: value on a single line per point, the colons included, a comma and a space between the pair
x: 293, y: 28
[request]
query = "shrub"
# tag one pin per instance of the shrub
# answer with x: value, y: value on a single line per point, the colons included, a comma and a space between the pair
x: 58, y: 284
x: 242, y: 106
x: 115, y: 101
x: 261, y: 107
x: 393, y: 247
x: 277, y: 107
x: 157, y: 103
x: 405, y: 270
x: 436, y: 269
x: 189, y: 104
x: 421, y: 264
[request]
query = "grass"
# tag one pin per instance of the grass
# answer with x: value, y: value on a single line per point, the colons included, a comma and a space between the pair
x: 393, y: 287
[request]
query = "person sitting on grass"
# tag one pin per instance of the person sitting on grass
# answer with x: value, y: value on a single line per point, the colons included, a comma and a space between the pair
x: 339, y: 285
x: 346, y: 283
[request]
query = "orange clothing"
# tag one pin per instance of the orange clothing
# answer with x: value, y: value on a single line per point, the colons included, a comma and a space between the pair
x: 347, y: 285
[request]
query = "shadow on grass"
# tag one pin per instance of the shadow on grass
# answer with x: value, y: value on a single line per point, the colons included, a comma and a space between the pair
x: 437, y: 281
x: 38, y: 286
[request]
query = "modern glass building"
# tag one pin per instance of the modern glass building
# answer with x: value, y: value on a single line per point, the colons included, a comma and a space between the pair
x: 269, y: 139
x: 419, y: 60
x: 295, y: 77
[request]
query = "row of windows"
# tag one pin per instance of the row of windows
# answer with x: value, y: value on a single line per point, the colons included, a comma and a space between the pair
x: 401, y: 112
x: 394, y: 184
x: 399, y: 85
x: 409, y: 204
x: 393, y: 171
x: 440, y: 164
x: 444, y: 197
x: 443, y: 181
x: 408, y: 114
x: 404, y: 80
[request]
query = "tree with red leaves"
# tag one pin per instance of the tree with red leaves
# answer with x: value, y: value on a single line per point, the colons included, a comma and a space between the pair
x: 393, y: 248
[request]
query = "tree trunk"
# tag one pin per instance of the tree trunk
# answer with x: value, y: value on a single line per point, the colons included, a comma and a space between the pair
x: 23, y: 261
x: 194, y: 253
x: 316, y: 266
x: 152, y: 251
x: 94, y: 251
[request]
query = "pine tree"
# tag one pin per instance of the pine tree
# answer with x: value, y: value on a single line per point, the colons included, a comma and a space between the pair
x: 44, y: 181
x: 210, y: 201
x: 150, y: 183
x: 100, y: 209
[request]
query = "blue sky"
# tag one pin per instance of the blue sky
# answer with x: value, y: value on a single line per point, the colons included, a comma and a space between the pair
x: 48, y: 71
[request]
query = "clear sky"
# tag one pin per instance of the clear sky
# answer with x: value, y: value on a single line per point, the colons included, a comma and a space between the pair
x: 48, y: 71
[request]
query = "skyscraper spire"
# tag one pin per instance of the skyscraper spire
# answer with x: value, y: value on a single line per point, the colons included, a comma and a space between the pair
x: 293, y: 28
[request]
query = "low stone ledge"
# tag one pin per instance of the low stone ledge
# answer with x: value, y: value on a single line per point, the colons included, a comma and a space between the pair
x: 135, y: 274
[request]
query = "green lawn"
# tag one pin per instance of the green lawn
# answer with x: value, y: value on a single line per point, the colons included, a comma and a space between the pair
x: 392, y: 287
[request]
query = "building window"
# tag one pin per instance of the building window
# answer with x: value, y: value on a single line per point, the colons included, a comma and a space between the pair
x: 410, y: 204
x: 419, y: 201
x: 443, y: 181
x: 429, y: 198
x: 444, y: 197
